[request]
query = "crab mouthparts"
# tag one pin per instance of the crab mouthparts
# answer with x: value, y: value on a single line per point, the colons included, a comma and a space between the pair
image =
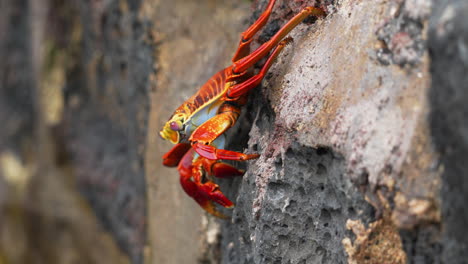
x: 171, y: 135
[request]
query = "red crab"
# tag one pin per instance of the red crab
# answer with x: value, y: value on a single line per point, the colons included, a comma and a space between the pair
x: 197, y: 127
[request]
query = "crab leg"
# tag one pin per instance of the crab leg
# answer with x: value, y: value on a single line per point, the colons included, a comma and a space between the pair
x: 246, y: 37
x: 243, y: 64
x: 221, y: 169
x: 252, y: 82
x: 173, y: 156
x: 213, y: 153
x: 209, y: 131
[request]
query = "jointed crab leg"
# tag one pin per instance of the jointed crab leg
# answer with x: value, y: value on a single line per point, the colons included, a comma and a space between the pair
x: 227, y: 116
x: 213, y: 153
x: 243, y: 64
x: 220, y: 169
x: 209, y: 131
x: 244, y: 44
x: 244, y: 87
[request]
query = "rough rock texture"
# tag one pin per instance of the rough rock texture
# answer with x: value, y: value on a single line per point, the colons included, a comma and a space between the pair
x: 302, y: 215
x: 344, y: 118
x: 336, y: 125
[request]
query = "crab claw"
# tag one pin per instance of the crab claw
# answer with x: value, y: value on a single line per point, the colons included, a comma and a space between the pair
x: 212, y: 192
x: 199, y: 195
x: 205, y: 193
x: 173, y: 156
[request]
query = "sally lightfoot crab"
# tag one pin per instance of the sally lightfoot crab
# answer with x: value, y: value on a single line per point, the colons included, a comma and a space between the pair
x: 198, y: 126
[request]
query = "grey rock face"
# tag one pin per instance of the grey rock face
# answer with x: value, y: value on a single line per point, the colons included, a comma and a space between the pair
x: 344, y: 132
x: 303, y: 214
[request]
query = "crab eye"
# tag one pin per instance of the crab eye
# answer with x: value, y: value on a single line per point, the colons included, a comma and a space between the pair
x: 175, y: 126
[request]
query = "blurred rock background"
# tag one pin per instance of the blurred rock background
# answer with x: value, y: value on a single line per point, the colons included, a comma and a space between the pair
x: 361, y: 125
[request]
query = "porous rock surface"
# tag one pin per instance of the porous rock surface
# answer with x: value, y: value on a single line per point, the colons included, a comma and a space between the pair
x: 350, y: 168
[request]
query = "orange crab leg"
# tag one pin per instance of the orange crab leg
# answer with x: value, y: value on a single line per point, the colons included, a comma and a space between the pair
x: 213, y: 153
x: 173, y: 156
x: 209, y: 131
x: 221, y: 169
x: 244, y: 87
x: 246, y: 37
x: 243, y: 64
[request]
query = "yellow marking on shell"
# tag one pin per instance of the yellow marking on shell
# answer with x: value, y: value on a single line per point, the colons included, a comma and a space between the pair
x: 211, y: 101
